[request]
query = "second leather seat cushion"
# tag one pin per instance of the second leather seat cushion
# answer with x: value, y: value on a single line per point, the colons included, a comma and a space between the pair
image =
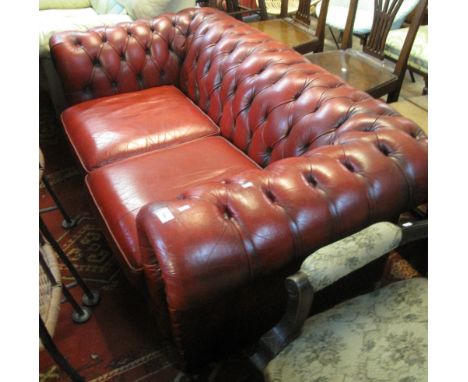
x: 108, y: 129
x: 119, y: 190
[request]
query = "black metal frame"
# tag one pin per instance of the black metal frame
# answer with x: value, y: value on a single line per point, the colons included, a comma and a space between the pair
x: 90, y: 297
x: 68, y: 222
x: 80, y: 314
x: 55, y: 353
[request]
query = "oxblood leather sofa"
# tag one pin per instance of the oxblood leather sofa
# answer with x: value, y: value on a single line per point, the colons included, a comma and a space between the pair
x: 218, y: 159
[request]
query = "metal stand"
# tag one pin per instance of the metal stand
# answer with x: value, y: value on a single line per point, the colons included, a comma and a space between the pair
x: 68, y: 222
x: 90, y: 297
x: 52, y: 349
x: 80, y: 314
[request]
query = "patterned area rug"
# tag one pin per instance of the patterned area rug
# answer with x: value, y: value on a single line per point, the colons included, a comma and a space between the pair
x: 119, y: 342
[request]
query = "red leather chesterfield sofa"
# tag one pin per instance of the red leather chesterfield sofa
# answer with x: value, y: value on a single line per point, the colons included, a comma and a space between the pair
x: 218, y: 159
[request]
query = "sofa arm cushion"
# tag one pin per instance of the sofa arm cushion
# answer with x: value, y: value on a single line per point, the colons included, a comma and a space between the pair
x: 334, y: 261
x: 224, y: 235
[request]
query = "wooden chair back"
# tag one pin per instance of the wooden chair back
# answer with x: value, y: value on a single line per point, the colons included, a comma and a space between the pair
x: 296, y: 31
x: 385, y: 12
x: 233, y: 8
x: 384, y: 15
x: 322, y: 21
x: 303, y: 15
x: 303, y: 11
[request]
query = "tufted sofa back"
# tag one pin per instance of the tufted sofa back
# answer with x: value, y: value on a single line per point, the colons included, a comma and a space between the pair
x: 128, y: 57
x: 266, y: 98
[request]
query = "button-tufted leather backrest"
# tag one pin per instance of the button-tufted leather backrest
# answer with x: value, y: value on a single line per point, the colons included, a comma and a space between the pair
x: 266, y: 98
x: 128, y: 57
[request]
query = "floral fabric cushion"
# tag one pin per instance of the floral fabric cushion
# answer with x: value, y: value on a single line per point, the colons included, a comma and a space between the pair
x: 57, y: 20
x: 146, y: 9
x: 419, y: 56
x: 64, y: 4
x: 377, y: 337
x: 330, y: 263
x: 108, y: 6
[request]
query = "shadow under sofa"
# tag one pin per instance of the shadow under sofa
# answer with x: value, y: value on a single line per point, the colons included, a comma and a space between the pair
x: 218, y: 159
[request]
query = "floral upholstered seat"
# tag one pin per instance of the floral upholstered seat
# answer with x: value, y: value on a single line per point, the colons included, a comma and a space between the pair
x: 418, y: 58
x: 376, y: 337
x: 380, y: 336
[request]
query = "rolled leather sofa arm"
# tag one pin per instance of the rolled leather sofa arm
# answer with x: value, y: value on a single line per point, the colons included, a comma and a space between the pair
x: 223, y: 235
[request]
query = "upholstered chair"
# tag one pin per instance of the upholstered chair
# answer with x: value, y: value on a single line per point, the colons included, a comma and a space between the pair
x: 379, y: 336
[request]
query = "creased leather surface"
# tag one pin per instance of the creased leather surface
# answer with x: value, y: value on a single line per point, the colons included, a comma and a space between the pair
x: 109, y: 129
x: 257, y: 222
x: 121, y: 189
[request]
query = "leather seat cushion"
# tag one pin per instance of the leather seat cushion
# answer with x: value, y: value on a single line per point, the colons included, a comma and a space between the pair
x: 109, y: 129
x: 119, y: 190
